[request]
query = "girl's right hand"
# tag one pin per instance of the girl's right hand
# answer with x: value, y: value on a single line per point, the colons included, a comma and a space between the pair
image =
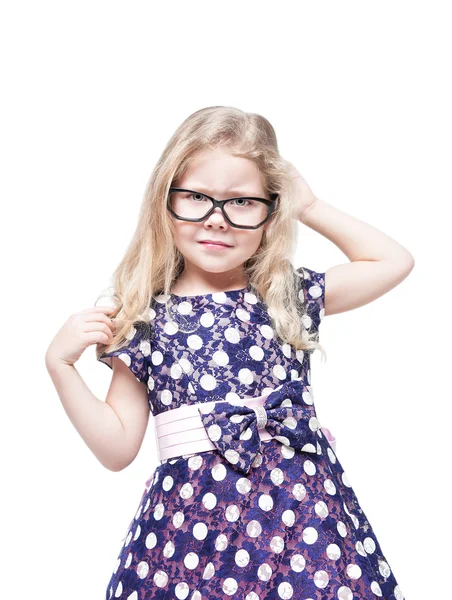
x: 82, y: 329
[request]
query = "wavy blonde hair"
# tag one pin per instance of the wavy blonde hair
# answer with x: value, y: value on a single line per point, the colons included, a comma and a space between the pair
x: 152, y: 262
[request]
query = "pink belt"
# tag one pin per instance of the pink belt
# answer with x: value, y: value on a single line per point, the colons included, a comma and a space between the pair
x: 240, y: 424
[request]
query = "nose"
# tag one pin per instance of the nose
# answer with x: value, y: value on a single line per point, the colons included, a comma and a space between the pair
x: 217, y: 217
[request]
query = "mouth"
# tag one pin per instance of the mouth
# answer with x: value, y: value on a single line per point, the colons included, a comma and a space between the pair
x: 218, y: 245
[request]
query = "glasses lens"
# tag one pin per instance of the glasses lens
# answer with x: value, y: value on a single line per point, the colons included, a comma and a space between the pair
x: 241, y: 211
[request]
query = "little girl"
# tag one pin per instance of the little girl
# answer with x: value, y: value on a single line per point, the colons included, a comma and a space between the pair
x: 212, y: 333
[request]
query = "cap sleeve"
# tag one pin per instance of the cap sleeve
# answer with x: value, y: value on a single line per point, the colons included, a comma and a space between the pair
x: 134, y: 353
x: 312, y: 296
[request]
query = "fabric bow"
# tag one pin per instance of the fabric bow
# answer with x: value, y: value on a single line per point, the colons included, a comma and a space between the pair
x: 234, y: 428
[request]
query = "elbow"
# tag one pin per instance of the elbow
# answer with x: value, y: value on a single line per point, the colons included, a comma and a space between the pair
x: 115, y: 466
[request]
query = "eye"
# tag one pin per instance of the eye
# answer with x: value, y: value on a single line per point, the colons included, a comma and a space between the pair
x: 198, y: 195
x: 250, y: 202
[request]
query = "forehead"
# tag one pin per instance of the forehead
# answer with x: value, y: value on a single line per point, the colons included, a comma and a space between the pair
x: 218, y: 172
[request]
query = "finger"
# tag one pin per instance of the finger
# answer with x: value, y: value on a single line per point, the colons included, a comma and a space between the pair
x: 99, y: 317
x: 98, y: 309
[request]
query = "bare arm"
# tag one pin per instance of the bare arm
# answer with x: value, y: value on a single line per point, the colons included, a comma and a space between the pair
x: 113, y: 430
x: 378, y: 262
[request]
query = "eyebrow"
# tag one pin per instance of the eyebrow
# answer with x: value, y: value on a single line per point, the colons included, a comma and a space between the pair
x: 233, y: 191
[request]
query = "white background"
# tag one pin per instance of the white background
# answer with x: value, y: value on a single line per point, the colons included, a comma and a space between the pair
x: 359, y: 95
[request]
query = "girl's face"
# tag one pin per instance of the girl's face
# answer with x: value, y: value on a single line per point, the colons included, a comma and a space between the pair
x: 220, y: 175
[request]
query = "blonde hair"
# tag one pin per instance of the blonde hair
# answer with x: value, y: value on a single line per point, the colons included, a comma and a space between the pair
x: 152, y: 262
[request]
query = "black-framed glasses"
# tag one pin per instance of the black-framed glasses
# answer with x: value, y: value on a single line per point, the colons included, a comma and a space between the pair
x: 244, y: 212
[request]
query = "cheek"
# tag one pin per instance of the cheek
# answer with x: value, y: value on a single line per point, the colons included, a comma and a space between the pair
x: 250, y: 243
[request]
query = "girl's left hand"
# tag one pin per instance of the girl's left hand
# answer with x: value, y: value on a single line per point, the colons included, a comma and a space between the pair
x: 304, y: 197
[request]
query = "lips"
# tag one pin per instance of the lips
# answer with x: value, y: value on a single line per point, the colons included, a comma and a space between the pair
x: 218, y: 243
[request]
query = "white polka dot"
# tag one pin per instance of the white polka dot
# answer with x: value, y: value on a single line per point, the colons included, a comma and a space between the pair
x: 299, y: 491
x: 176, y: 371
x: 194, y: 342
x: 243, y: 485
x: 333, y: 551
x: 321, y: 509
x: 158, y: 511
x: 191, y: 560
x: 256, y: 353
x: 221, y: 358
x: 232, y: 456
x: 128, y: 539
x: 221, y: 543
x: 267, y: 331
x: 151, y: 540
x: 310, y: 535
x: 288, y: 517
x: 297, y: 563
x: 208, y: 382
x: 209, y: 500
x: 219, y: 297
x: 170, y: 328
x: 184, y: 308
x: 200, y: 531
x: 286, y: 350
x: 209, y: 572
x: 264, y: 572
x: 309, y: 467
x: 342, y: 528
x: 207, y: 319
x: 265, y: 502
x: 167, y: 483
x: 166, y: 397
x: 369, y: 545
x: 345, y: 480
x: 232, y: 335
x: 277, y: 544
x: 195, y: 462
x: 376, y: 588
x: 232, y: 513
x: 254, y: 528
x: 285, y: 590
x: 290, y: 422
x: 251, y: 299
x: 287, y: 451
x: 329, y: 487
x: 118, y: 590
x: 354, y: 571
x: 331, y: 455
x: 246, y: 434
x: 242, y: 558
x: 186, y: 365
x: 219, y: 472
x: 384, y: 568
x: 230, y: 586
x: 314, y: 424
x: 178, y: 519
x: 246, y: 376
x: 214, y: 432
x: 160, y: 578
x: 277, y: 476
x: 321, y: 579
x: 279, y: 372
x: 182, y: 590
x: 242, y: 314
x: 142, y: 569
x: 360, y: 549
x: 282, y: 438
x: 169, y: 549
x: 344, y: 593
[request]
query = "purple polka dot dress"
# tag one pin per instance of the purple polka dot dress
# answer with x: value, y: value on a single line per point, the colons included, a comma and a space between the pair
x: 292, y: 526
